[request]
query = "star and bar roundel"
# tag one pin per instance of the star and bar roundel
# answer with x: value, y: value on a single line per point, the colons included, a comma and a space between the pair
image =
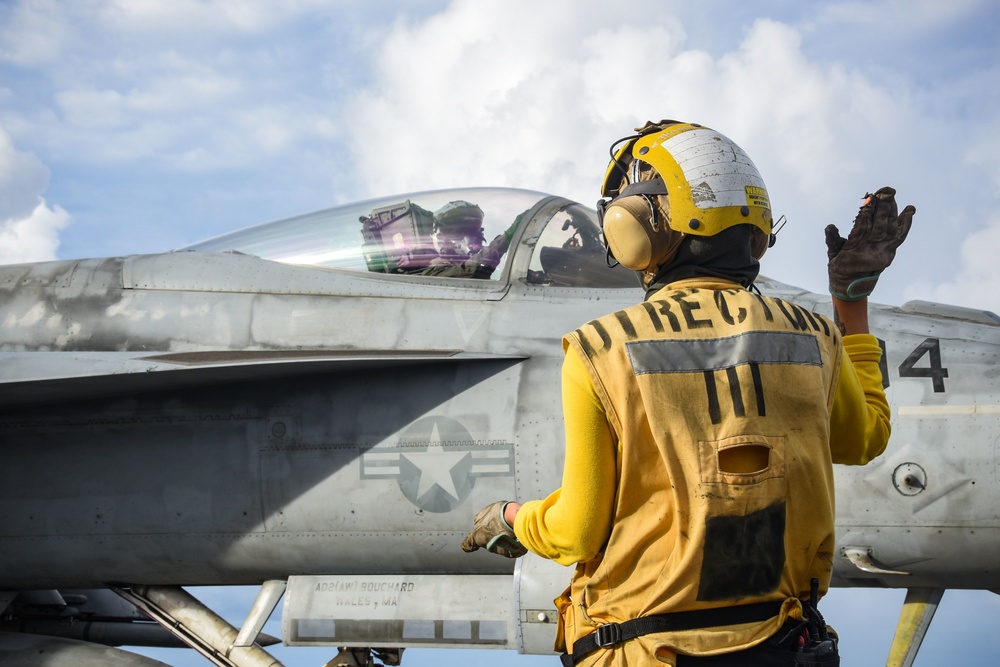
x: 436, y: 463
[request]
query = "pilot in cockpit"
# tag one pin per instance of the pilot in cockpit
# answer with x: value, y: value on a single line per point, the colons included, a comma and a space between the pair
x: 457, y: 234
x: 406, y: 238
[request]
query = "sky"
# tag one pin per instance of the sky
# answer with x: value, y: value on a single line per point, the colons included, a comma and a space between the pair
x: 140, y: 126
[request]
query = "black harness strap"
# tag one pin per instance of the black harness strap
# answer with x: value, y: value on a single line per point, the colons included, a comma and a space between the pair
x: 612, y: 634
x: 654, y: 186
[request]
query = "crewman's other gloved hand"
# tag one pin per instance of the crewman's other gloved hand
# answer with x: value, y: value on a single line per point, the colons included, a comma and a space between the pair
x: 492, y: 533
x: 856, y: 262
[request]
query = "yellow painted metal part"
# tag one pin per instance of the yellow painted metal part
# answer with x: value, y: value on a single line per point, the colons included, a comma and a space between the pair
x: 918, y: 611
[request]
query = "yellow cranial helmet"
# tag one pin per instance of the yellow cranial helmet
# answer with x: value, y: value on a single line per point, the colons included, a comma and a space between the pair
x: 699, y: 181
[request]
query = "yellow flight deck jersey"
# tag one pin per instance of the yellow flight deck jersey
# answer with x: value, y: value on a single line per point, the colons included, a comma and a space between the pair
x: 701, y: 429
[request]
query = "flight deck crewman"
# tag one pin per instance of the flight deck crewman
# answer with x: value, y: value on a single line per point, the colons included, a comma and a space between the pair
x: 697, y: 499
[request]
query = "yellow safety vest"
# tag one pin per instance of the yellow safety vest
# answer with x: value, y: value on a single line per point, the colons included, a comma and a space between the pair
x: 720, y: 399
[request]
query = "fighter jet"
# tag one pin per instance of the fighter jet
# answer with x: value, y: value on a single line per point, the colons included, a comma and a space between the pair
x: 319, y: 405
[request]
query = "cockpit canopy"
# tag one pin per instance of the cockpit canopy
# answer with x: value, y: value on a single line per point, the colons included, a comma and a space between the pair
x: 417, y: 235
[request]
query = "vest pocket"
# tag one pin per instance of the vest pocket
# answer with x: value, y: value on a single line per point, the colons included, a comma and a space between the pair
x: 742, y: 459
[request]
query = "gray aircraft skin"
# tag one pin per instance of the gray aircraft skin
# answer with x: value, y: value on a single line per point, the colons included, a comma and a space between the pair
x: 291, y: 406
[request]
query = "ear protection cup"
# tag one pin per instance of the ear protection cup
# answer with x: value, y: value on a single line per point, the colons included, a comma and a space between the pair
x: 633, y: 235
x: 628, y: 233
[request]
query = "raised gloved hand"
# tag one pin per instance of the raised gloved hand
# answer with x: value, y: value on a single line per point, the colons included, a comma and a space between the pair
x: 492, y: 533
x: 857, y: 261
x: 488, y: 258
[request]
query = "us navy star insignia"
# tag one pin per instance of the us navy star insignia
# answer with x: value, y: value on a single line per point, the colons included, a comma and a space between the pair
x: 436, y: 463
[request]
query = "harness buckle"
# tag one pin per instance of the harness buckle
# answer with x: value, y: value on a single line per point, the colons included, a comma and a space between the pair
x: 608, y: 635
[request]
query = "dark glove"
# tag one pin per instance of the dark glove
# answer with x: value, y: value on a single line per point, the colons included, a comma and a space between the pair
x: 856, y: 262
x: 492, y: 533
x: 488, y: 258
x: 502, y: 241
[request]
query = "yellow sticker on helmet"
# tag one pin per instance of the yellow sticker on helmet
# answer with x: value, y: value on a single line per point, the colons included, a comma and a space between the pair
x: 757, y: 196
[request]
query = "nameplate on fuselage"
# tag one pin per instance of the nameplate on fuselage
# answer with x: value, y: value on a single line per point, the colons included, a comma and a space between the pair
x: 399, y: 610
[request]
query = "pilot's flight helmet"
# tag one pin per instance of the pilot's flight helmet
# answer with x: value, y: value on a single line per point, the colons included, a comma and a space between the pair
x: 458, y: 228
x: 673, y: 179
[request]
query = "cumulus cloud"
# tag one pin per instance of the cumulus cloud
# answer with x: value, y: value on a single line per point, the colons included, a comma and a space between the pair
x: 483, y: 96
x: 29, y: 228
x: 975, y: 281
x: 189, y: 86
x: 476, y: 96
x: 34, y: 238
